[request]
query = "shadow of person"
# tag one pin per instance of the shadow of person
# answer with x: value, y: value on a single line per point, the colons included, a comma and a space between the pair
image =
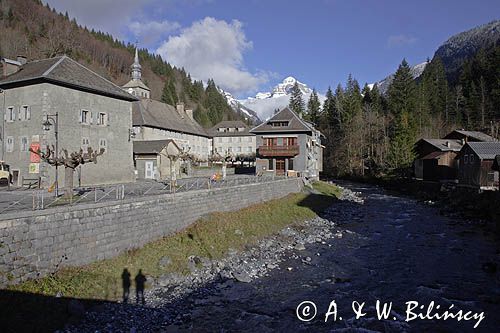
x: 140, y: 281
x: 126, y: 284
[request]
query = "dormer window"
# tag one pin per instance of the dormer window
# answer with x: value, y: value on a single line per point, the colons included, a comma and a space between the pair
x: 278, y: 123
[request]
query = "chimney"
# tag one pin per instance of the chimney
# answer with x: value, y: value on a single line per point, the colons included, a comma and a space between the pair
x: 21, y: 59
x: 9, y: 66
x: 180, y: 108
x: 190, y: 114
x: 448, y: 144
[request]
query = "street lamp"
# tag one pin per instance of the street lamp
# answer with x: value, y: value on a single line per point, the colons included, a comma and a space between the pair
x: 2, y: 134
x: 53, y: 119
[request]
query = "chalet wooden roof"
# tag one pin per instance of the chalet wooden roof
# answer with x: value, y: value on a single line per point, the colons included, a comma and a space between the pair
x: 66, y: 72
x: 443, y: 144
x: 473, y: 135
x: 295, y: 123
x: 485, y: 150
x: 151, y: 113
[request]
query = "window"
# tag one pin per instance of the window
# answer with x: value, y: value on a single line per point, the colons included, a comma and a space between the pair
x: 25, y: 113
x: 10, y: 116
x: 466, y: 159
x: 290, y: 164
x: 10, y: 144
x: 103, y: 143
x: 102, y: 119
x: 238, y: 149
x: 24, y: 143
x: 271, y: 165
x: 85, y: 144
x: 219, y: 140
x: 249, y: 139
x: 85, y: 117
x: 249, y: 149
x: 471, y: 159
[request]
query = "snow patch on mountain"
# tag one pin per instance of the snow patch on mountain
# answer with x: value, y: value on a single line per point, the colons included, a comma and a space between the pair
x: 239, y: 108
x: 384, y: 84
x: 265, y: 103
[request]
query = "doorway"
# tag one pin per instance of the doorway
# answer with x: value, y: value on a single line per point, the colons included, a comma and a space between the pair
x: 148, y: 166
x: 280, y: 167
x: 15, y: 177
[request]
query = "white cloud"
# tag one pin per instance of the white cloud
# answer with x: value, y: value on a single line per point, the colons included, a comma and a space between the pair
x: 212, y: 48
x: 153, y: 31
x: 401, y: 40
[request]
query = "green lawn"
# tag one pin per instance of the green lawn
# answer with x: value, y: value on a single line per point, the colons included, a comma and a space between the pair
x: 209, y: 237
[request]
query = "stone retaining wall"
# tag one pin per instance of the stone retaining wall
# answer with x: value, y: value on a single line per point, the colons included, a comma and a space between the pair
x: 36, y: 243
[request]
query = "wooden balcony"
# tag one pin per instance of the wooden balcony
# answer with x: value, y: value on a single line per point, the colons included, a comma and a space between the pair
x: 278, y: 151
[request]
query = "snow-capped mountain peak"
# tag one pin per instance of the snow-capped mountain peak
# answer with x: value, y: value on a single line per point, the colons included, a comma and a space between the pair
x: 264, y: 103
x: 239, y: 108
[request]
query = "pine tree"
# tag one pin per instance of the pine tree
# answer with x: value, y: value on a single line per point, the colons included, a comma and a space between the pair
x: 313, y: 108
x: 296, y: 102
x: 402, y: 98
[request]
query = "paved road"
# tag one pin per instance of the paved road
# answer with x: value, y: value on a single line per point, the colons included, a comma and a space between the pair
x: 21, y: 199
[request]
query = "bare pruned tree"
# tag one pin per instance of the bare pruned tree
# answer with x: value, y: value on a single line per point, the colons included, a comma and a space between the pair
x: 70, y: 161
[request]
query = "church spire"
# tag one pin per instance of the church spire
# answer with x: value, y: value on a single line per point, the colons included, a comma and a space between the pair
x: 136, y: 67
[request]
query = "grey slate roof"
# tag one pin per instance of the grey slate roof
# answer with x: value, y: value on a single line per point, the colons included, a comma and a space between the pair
x: 480, y: 136
x: 295, y: 123
x: 151, y: 113
x: 485, y: 150
x: 214, y: 131
x: 136, y: 83
x: 151, y: 147
x: 442, y: 144
x: 66, y: 72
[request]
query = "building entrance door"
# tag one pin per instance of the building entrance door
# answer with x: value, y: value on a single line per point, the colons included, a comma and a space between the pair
x: 280, y: 167
x: 149, y: 170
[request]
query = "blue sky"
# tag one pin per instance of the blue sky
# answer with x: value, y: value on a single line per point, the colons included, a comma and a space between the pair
x: 249, y: 46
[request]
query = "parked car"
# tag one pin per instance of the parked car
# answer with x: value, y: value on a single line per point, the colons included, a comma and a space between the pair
x: 5, y: 176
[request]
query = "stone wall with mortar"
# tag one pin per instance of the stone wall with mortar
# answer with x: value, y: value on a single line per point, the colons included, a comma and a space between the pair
x: 34, y: 244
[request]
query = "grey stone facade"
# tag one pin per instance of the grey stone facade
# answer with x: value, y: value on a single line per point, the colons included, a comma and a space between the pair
x: 32, y: 244
x: 114, y: 166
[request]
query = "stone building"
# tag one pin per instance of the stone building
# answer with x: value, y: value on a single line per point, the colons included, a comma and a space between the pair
x: 154, y: 120
x: 233, y: 138
x: 157, y: 159
x: 287, y: 144
x: 92, y: 112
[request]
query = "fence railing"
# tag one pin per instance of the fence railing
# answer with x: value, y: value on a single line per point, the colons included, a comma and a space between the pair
x: 41, y: 199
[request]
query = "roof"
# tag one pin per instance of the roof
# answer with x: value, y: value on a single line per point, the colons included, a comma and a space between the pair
x: 295, y: 123
x: 136, y: 83
x: 479, y: 136
x: 151, y: 113
x: 444, y: 144
x: 434, y: 155
x: 66, y: 72
x: 152, y: 146
x: 485, y: 150
x: 214, y: 131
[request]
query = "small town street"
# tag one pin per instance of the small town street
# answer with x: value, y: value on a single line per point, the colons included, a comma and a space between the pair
x: 388, y: 248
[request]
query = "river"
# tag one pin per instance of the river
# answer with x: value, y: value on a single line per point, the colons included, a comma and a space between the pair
x: 393, y: 249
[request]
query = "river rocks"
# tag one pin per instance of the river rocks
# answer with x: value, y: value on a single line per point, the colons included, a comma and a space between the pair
x: 164, y: 262
x: 242, y: 277
x: 299, y: 247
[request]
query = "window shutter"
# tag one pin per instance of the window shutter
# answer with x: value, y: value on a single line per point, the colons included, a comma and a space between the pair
x: 80, y: 119
x: 91, y: 117
x: 98, y: 120
x: 28, y: 112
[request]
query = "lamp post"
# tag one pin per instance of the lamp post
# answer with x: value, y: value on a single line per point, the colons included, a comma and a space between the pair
x: 2, y: 134
x: 53, y: 119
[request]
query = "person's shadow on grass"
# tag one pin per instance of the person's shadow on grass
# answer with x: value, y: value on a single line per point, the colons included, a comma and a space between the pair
x: 126, y: 285
x: 140, y: 281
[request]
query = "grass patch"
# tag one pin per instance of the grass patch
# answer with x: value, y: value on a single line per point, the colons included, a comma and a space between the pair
x: 209, y: 237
